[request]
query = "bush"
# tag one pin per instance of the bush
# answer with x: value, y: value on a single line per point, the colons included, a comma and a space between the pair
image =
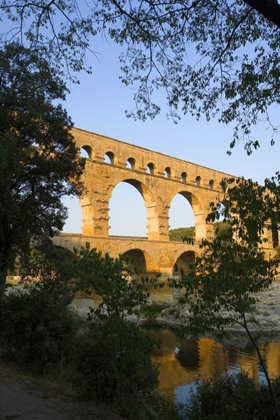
x: 232, y: 397
x: 112, y: 363
x: 152, y: 310
x: 37, y: 325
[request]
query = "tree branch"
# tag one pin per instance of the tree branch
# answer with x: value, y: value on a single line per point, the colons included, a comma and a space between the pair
x: 270, y: 9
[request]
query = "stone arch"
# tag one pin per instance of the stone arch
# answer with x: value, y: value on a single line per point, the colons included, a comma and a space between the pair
x: 130, y: 163
x: 144, y: 261
x: 86, y: 152
x: 167, y: 172
x: 198, y: 181
x: 198, y: 211
x: 150, y: 168
x: 184, y: 261
x: 150, y: 204
x: 211, y: 184
x: 184, y: 177
x: 109, y: 157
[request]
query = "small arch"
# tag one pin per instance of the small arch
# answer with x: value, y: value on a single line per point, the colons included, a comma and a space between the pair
x: 184, y: 261
x: 198, y: 181
x: 130, y: 163
x: 86, y: 152
x: 135, y: 259
x: 141, y: 260
x: 109, y: 158
x: 167, y: 172
x: 184, y: 177
x: 150, y: 169
x: 211, y: 184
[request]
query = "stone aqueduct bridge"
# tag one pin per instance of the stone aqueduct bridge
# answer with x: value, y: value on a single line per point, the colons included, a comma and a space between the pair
x: 158, y: 178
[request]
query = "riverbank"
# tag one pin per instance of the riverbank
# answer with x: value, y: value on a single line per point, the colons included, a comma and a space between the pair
x: 25, y: 397
x: 264, y: 316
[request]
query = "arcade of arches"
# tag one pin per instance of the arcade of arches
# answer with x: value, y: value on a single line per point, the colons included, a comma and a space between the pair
x: 158, y: 178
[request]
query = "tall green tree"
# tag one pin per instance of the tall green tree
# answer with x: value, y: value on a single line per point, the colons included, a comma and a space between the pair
x: 217, y: 58
x: 233, y: 267
x: 39, y: 161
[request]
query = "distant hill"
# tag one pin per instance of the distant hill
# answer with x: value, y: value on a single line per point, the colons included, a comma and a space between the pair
x: 178, y: 234
x: 221, y: 229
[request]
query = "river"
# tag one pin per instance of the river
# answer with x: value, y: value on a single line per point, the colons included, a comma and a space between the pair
x: 183, y: 360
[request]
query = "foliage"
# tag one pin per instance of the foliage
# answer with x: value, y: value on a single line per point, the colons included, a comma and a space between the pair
x: 39, y: 161
x: 112, y: 361
x: 46, y: 260
x: 223, y: 229
x: 180, y: 233
x: 37, y: 326
x: 114, y: 280
x: 232, y: 267
x: 213, y: 58
x: 231, y: 397
x: 109, y: 361
x: 152, y: 310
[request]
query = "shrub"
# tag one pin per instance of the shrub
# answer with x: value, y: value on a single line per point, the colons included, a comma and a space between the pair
x: 232, y: 397
x: 112, y: 363
x: 37, y: 325
x: 153, y: 310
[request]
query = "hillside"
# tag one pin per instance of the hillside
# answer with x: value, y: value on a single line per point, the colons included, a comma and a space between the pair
x: 180, y: 233
x: 221, y: 228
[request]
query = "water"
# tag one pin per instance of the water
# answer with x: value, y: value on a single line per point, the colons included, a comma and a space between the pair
x: 183, y: 361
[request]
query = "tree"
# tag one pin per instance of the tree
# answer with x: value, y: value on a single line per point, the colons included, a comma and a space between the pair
x: 232, y: 268
x: 112, y: 361
x: 115, y: 280
x: 39, y: 161
x: 217, y: 58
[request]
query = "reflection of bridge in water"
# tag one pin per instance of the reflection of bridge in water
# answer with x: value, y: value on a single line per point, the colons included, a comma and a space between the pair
x: 207, y: 358
x: 158, y: 178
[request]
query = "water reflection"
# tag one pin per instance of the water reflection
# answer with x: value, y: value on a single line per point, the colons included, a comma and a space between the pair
x: 182, y: 361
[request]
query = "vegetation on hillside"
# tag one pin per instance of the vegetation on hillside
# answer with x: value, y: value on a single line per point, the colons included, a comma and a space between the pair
x: 180, y: 233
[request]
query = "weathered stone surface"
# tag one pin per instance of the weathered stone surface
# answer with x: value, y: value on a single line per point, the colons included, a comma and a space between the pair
x: 158, y: 178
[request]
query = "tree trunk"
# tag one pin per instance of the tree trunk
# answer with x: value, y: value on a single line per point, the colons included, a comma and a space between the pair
x: 4, y: 259
x: 270, y: 387
x: 3, y: 276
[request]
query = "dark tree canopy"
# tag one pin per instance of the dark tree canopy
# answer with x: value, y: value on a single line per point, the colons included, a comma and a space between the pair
x: 217, y: 58
x: 39, y: 162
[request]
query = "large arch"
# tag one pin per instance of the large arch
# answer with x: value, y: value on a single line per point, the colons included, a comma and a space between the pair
x: 150, y: 204
x: 202, y: 229
x: 180, y: 213
x: 127, y: 212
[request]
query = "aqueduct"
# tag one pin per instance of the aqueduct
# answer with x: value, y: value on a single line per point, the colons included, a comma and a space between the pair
x: 158, y: 178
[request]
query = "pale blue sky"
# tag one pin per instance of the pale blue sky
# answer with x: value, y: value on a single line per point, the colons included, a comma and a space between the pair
x: 98, y: 103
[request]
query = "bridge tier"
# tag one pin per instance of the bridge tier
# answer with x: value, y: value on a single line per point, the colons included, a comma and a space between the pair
x: 158, y: 178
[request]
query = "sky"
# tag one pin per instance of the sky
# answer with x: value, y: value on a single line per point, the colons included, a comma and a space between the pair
x: 98, y: 105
